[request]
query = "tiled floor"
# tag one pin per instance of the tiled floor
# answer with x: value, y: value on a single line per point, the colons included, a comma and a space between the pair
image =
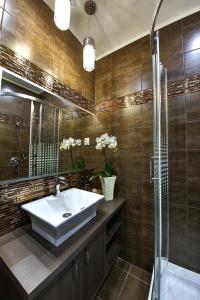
x: 125, y: 282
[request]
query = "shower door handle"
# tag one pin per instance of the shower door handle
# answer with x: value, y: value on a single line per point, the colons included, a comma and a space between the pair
x: 151, y: 167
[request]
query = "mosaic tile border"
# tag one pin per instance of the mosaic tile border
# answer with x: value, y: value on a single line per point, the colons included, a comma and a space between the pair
x: 12, y: 120
x: 12, y: 196
x: 74, y: 114
x: 175, y: 88
x: 21, y: 66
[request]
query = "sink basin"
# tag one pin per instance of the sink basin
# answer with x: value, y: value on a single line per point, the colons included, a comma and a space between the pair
x: 56, y: 218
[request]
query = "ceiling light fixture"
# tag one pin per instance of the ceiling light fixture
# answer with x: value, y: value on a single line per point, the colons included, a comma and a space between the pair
x: 89, y: 54
x: 89, y: 42
x: 62, y: 14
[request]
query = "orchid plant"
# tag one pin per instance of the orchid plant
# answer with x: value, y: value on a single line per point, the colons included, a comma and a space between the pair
x: 105, y: 142
x: 69, y: 144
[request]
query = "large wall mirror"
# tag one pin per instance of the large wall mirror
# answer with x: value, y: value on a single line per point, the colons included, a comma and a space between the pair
x: 33, y: 123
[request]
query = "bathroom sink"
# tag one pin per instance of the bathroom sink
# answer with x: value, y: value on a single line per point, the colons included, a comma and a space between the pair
x: 56, y: 218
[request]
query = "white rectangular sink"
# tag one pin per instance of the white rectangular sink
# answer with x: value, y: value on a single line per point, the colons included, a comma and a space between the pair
x: 56, y: 218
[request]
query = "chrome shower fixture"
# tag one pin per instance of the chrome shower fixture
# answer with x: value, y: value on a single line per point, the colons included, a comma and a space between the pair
x: 15, y: 161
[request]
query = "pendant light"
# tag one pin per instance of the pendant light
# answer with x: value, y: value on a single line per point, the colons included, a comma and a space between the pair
x: 88, y: 42
x: 62, y: 14
x: 88, y: 54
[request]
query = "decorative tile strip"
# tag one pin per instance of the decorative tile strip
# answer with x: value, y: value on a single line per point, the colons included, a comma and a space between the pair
x: 12, y: 120
x: 175, y: 88
x: 133, y: 99
x: 18, y: 64
x: 73, y: 114
x: 193, y: 84
x: 12, y: 196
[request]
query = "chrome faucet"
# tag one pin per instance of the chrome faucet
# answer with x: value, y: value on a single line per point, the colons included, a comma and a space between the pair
x: 60, y: 180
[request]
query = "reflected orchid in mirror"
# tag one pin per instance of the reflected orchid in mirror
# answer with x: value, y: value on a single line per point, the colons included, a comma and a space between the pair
x: 66, y: 144
x: 106, y: 141
x: 69, y: 144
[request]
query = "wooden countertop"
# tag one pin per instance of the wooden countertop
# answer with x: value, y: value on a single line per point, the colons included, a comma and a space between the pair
x: 32, y: 262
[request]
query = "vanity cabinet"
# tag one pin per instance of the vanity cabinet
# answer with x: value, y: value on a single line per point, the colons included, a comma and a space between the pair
x: 31, y: 269
x: 81, y: 278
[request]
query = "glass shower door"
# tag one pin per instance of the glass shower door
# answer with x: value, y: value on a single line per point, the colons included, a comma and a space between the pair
x: 160, y: 167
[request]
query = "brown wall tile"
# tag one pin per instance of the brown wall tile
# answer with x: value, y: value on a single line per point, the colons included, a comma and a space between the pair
x: 178, y: 191
x: 126, y: 70
x: 193, y: 107
x: 194, y: 163
x: 192, y: 63
x: 178, y: 242
x: 193, y: 135
x: 103, y: 75
x: 177, y: 136
x: 194, y: 240
x: 176, y: 109
x: 33, y: 38
x: 191, y: 32
x: 147, y: 114
x: 146, y: 61
x: 194, y: 192
x: 177, y: 163
x: 172, y: 57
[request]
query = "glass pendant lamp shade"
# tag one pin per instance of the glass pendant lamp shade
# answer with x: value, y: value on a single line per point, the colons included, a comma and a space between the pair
x: 89, y: 54
x: 62, y: 14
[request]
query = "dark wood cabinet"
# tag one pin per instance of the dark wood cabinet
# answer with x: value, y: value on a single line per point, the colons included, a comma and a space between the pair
x: 93, y: 268
x: 66, y: 285
x: 81, y: 278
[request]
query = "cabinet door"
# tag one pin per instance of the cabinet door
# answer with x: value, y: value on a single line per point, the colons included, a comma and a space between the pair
x: 66, y: 285
x: 92, y: 270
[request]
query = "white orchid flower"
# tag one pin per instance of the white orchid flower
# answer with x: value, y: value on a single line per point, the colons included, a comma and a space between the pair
x: 112, y: 145
x: 66, y: 144
x: 106, y: 140
x: 98, y: 140
x: 99, y: 146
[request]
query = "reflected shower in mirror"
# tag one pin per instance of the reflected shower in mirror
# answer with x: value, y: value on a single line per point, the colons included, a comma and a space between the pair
x: 33, y: 123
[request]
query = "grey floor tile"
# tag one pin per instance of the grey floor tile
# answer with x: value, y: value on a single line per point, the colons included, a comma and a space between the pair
x: 113, y: 284
x: 134, y: 289
x: 141, y: 274
x: 122, y: 264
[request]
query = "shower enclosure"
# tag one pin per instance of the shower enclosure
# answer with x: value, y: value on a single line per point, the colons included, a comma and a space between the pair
x: 169, y: 281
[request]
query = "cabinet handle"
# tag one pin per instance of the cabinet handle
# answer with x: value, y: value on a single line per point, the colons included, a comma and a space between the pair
x: 87, y: 257
x: 75, y: 271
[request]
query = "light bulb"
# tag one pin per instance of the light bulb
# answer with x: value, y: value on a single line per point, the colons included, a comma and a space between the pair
x: 62, y: 14
x: 88, y: 54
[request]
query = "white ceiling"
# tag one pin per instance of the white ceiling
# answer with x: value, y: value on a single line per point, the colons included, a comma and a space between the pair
x: 119, y: 22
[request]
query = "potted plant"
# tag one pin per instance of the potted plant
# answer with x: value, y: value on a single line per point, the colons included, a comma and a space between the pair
x: 106, y: 175
x: 69, y: 144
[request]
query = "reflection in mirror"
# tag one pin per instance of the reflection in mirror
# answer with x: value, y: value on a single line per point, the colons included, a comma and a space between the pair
x: 77, y: 125
x: 33, y: 122
x: 44, y: 139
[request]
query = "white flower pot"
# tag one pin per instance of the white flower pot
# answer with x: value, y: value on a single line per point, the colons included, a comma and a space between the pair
x: 108, y: 184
